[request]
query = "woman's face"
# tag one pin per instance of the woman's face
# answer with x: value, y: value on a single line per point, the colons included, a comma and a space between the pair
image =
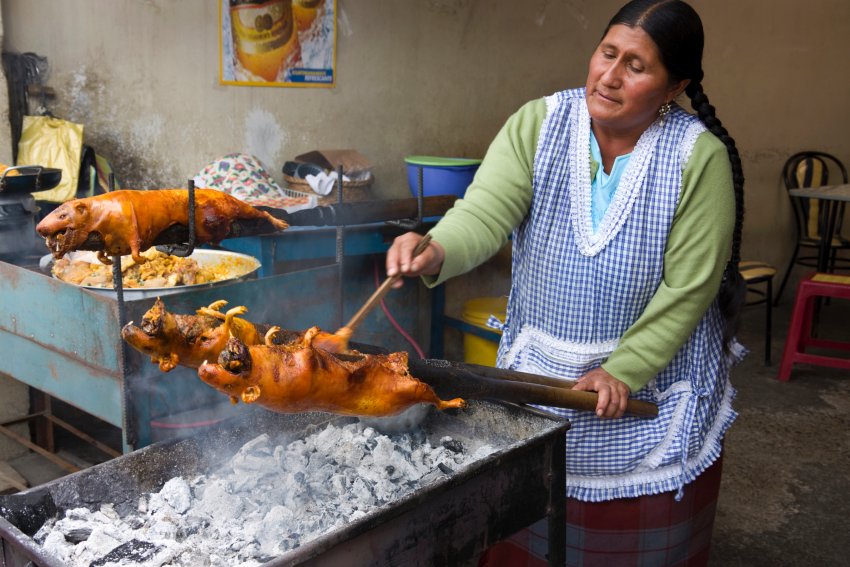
x: 626, y: 82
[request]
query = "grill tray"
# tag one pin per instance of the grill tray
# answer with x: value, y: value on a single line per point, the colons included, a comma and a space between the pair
x: 453, y: 518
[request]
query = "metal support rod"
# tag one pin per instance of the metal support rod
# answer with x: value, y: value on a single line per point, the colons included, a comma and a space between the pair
x: 340, y: 250
x: 185, y: 249
x: 40, y: 450
x: 191, y: 219
x: 557, y: 513
x: 420, y: 192
x: 44, y: 437
x: 129, y: 431
x: 64, y: 425
x: 414, y: 223
x: 84, y: 436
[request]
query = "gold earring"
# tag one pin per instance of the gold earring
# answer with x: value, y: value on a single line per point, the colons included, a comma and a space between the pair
x: 664, y: 111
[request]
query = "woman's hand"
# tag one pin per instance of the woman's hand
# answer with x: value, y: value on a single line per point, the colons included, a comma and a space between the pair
x: 400, y: 260
x: 613, y: 394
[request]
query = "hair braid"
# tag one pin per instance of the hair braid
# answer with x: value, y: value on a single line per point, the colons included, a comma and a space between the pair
x: 677, y: 31
x: 733, y: 289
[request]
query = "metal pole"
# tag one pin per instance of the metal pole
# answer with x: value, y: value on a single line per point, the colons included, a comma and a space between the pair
x: 127, y: 424
x: 557, y: 512
x: 340, y: 252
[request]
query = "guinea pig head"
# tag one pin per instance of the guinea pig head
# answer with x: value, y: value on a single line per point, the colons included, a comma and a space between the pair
x: 158, y: 336
x: 230, y: 375
x: 66, y: 228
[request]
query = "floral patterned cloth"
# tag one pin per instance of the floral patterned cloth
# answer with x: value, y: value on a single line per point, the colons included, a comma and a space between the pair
x: 244, y: 177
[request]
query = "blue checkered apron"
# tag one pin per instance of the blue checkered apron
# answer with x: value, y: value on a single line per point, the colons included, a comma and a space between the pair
x: 575, y: 292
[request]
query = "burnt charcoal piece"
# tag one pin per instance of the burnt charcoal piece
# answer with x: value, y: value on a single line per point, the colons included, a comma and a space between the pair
x: 134, y: 551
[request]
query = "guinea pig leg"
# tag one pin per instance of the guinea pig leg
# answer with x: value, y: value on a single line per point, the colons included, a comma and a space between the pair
x: 231, y: 313
x: 268, y: 340
x: 213, y: 309
x: 167, y: 363
x: 251, y: 394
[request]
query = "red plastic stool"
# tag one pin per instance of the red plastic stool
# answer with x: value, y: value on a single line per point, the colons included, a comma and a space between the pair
x: 810, y: 289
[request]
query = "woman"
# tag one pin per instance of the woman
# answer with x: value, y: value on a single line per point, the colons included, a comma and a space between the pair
x: 626, y: 216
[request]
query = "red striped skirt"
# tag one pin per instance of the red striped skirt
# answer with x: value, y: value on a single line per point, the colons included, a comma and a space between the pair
x: 646, y: 531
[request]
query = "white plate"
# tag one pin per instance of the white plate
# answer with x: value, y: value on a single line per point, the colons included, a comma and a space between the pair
x: 238, y: 266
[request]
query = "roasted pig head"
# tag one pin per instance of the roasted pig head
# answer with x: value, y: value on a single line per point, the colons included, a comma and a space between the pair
x: 66, y: 228
x: 171, y: 339
x: 298, y: 377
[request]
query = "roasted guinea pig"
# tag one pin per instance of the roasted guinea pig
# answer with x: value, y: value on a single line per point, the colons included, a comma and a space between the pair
x: 171, y: 339
x: 299, y: 377
x: 128, y: 222
x: 188, y: 340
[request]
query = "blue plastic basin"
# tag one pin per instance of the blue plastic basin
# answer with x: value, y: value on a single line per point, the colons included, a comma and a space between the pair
x: 440, y: 176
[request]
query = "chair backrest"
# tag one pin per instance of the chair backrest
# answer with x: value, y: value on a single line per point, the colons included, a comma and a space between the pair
x: 810, y: 169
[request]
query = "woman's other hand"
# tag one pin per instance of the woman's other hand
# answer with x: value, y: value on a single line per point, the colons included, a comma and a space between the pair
x: 400, y: 260
x: 613, y: 394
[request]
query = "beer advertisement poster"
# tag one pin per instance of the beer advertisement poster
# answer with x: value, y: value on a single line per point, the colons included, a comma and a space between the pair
x: 280, y: 43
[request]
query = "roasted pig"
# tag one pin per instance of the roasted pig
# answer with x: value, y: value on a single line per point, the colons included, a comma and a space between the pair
x: 297, y: 377
x: 188, y: 340
x: 128, y: 222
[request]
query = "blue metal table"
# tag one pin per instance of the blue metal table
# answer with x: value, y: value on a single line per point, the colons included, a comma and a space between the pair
x: 65, y: 340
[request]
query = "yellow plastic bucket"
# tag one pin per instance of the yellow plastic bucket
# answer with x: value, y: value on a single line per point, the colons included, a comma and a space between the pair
x: 478, y: 350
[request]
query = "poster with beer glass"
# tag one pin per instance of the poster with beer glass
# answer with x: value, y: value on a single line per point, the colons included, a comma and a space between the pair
x: 282, y: 43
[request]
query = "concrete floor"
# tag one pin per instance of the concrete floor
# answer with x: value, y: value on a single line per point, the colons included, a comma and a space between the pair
x: 785, y: 493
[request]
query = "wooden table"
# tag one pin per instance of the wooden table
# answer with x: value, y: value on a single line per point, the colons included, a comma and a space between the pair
x: 833, y: 196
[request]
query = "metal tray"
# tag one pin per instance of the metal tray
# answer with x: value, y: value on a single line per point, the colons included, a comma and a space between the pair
x: 243, y: 266
x: 32, y: 178
x: 445, y: 522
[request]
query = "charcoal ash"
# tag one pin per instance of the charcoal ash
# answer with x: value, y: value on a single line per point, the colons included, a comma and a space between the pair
x: 267, y: 499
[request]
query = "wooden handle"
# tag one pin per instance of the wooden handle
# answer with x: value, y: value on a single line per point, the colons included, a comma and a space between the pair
x: 379, y: 293
x: 471, y: 381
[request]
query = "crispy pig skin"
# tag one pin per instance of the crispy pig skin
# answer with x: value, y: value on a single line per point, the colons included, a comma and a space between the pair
x: 299, y: 377
x: 129, y: 221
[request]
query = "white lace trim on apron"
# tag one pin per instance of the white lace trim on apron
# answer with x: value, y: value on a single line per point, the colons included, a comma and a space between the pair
x: 672, y: 475
x: 590, y: 243
x: 573, y: 353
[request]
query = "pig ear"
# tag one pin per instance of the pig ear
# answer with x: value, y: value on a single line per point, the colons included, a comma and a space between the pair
x: 81, y: 208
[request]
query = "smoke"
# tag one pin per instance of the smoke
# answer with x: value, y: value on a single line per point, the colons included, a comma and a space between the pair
x: 264, y: 137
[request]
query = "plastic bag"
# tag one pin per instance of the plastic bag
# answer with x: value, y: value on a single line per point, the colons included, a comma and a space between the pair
x: 53, y: 142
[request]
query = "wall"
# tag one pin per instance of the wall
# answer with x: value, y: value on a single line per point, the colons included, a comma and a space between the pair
x: 426, y: 77
x: 413, y: 77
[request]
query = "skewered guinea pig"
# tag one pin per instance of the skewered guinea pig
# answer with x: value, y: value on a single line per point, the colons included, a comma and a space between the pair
x: 297, y: 377
x: 129, y: 221
x: 188, y: 340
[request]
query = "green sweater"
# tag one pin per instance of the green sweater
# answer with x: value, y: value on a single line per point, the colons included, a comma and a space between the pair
x: 697, y: 248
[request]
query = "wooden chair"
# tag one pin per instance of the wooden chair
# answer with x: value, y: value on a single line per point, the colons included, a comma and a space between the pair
x: 812, y: 169
x: 811, y: 289
x: 759, y: 279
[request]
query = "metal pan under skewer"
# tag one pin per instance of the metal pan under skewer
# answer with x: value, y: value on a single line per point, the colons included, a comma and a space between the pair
x: 233, y: 266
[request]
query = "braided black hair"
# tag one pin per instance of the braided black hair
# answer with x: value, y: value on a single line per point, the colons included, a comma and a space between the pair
x: 676, y: 30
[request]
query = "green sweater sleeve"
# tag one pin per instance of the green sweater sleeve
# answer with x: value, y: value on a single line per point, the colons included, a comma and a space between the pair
x: 496, y: 201
x: 698, y: 248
